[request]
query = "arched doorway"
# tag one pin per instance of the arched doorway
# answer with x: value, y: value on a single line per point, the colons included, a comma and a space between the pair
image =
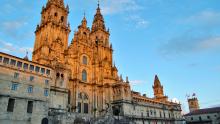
x: 44, y: 121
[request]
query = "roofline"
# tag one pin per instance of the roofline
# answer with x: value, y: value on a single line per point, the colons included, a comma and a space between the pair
x: 25, y: 60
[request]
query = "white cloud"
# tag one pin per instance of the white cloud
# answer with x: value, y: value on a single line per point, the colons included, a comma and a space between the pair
x: 188, y: 44
x: 136, y: 82
x: 138, y: 21
x: 9, y: 47
x: 210, y: 43
x: 205, y: 18
x: 13, y: 29
x: 120, y: 6
x: 10, y: 25
x: 129, y: 8
x: 175, y: 100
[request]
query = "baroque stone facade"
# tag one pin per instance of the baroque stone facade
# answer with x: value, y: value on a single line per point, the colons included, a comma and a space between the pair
x: 81, y: 79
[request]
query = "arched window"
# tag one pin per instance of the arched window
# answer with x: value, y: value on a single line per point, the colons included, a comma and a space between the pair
x: 85, y: 60
x: 62, y: 18
x: 55, y: 14
x: 84, y: 75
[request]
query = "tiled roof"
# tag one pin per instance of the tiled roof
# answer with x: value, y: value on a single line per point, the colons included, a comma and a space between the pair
x: 204, y: 111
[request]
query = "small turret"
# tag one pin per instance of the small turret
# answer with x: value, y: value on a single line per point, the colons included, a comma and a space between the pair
x: 193, y: 103
x: 26, y: 56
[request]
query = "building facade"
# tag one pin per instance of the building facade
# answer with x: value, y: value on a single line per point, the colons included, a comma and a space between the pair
x: 82, y: 79
x: 201, y: 116
x: 24, y: 90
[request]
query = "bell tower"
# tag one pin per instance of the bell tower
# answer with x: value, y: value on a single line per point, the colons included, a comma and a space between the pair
x: 51, y: 35
x: 158, y: 90
x: 193, y: 103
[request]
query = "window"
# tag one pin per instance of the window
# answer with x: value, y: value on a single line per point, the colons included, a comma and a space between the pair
x: 86, y: 107
x: 55, y: 14
x: 48, y: 72
x: 31, y: 78
x: 42, y: 70
x: 46, y: 92
x: 19, y: 64
x: 46, y: 82
x: 200, y: 118
x: 37, y: 69
x: 84, y: 75
x: 13, y: 62
x: 208, y: 117
x: 62, y: 18
x: 31, y: 67
x: 14, y: 86
x: 25, y: 66
x: 148, y: 113
x: 85, y: 62
x: 16, y: 75
x: 30, y: 89
x: 11, y: 103
x: 6, y: 61
x: 30, y: 106
x: 79, y: 107
x: 58, y: 75
x: 0, y: 58
x: 62, y: 76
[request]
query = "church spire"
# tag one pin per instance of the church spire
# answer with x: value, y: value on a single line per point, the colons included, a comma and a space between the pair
x: 158, y: 88
x: 157, y: 82
x: 84, y: 21
x: 98, y: 22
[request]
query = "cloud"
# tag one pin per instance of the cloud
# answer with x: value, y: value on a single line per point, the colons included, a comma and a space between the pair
x: 201, y: 37
x: 12, y: 25
x: 205, y: 18
x: 120, y: 6
x: 191, y: 65
x: 11, y: 48
x: 175, y: 100
x: 13, y: 29
x: 136, y: 82
x: 129, y: 8
x: 138, y: 21
x: 186, y: 44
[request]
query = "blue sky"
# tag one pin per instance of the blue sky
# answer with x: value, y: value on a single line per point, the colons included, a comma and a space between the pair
x: 177, y: 39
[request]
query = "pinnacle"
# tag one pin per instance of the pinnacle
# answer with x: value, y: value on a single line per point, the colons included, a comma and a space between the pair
x: 157, y: 81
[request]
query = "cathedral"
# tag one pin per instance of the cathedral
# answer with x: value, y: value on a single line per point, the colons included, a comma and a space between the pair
x: 76, y: 83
